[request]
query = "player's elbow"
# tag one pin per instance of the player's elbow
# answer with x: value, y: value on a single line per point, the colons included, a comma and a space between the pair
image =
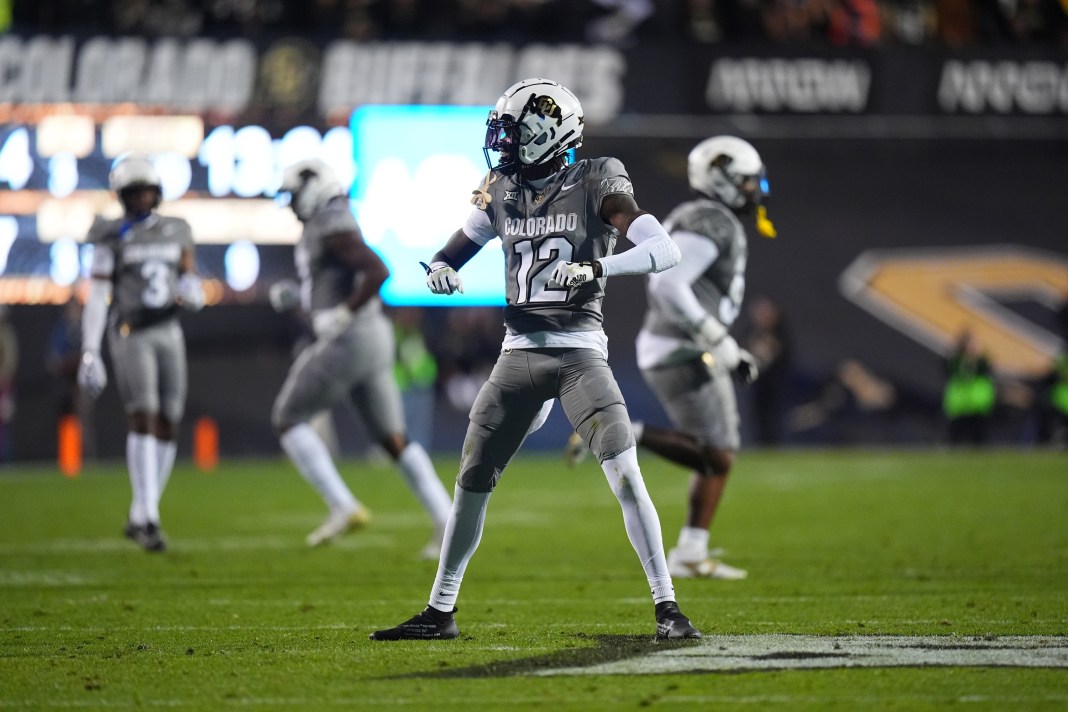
x: 664, y: 254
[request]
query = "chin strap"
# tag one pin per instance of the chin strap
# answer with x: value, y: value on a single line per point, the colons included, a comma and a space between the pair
x: 764, y: 226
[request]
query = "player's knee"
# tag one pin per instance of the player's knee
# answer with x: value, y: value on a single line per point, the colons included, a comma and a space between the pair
x: 480, y: 470
x: 608, y: 432
x: 717, y: 461
x: 141, y: 422
x: 478, y: 478
x: 394, y: 444
x: 282, y: 418
x: 165, y: 428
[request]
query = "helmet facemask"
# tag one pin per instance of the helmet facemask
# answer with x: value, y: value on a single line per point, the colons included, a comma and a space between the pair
x: 743, y: 192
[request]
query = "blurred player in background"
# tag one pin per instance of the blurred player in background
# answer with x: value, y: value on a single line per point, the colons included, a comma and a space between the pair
x: 352, y: 357
x: 143, y: 264
x: 684, y: 351
x: 558, y: 222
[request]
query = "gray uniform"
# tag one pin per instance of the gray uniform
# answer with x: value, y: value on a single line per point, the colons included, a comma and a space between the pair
x: 539, y: 227
x: 697, y: 396
x: 143, y: 259
x: 357, y: 363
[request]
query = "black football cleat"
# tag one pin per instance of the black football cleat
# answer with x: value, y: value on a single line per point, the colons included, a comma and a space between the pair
x: 428, y: 624
x: 671, y: 624
x: 148, y: 536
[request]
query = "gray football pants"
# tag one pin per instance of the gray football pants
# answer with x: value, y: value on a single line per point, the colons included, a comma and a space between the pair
x: 150, y: 369
x: 521, y: 381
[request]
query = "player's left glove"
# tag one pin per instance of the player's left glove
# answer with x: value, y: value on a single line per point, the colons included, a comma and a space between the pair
x: 572, y: 274
x: 328, y: 323
x: 92, y: 376
x: 191, y: 291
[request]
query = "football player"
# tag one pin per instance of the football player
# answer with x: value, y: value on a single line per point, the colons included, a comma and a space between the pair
x: 352, y: 357
x: 558, y: 222
x: 143, y: 264
x: 685, y: 353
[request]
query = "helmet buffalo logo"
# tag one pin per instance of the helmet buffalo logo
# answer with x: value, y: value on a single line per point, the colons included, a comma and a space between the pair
x: 546, y: 106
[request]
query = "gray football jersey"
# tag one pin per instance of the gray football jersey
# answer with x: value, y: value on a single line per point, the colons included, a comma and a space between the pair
x: 146, y: 260
x: 540, y: 226
x: 721, y: 288
x: 324, y: 281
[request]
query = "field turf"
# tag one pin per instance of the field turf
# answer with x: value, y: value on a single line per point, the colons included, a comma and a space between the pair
x: 239, y: 614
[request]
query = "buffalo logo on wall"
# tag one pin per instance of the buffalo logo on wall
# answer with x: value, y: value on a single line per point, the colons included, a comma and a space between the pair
x: 289, y: 74
x: 935, y: 295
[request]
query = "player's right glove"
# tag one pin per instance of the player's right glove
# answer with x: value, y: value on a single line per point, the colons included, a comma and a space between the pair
x: 92, y: 376
x: 442, y: 279
x: 709, y: 334
x: 328, y: 323
x: 284, y: 295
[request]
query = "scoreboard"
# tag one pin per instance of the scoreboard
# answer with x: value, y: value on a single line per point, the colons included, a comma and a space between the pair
x: 222, y: 179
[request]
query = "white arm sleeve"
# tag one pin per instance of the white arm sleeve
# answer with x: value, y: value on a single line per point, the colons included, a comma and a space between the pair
x: 653, y: 251
x: 674, y: 291
x: 95, y: 314
x: 478, y: 227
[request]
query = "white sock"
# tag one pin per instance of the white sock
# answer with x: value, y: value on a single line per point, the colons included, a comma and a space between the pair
x: 638, y: 427
x: 463, y: 532
x: 141, y: 461
x: 421, y: 477
x: 167, y: 450
x: 641, y: 521
x: 693, y: 544
x: 312, y: 459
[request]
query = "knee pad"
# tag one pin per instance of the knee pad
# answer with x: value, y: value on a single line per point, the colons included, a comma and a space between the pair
x: 607, y: 431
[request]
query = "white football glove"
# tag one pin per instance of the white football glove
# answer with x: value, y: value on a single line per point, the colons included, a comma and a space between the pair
x: 442, y: 279
x: 328, y: 323
x: 191, y: 291
x: 736, y: 360
x: 284, y: 295
x: 572, y: 274
x: 92, y: 376
x: 709, y: 334
x: 747, y: 370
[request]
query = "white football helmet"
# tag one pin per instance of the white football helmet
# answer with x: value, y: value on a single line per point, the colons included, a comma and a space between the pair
x: 135, y: 170
x: 534, y: 121
x: 310, y: 184
x: 728, y: 168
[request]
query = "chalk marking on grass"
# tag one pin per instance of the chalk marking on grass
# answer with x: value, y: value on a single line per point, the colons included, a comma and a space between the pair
x: 736, y: 653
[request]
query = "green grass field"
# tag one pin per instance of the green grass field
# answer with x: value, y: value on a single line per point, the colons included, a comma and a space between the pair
x: 971, y: 547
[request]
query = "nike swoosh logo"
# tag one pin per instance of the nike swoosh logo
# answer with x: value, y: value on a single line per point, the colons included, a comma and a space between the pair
x: 568, y: 187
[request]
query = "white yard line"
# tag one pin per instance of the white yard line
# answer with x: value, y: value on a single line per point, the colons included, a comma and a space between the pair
x: 737, y: 653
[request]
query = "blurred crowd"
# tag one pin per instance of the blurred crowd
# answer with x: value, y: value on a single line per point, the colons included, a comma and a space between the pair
x: 952, y: 23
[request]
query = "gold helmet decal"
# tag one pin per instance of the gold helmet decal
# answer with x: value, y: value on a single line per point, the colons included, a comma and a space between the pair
x: 546, y: 106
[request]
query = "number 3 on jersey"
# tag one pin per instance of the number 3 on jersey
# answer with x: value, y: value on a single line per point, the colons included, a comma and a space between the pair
x: 157, y: 291
x: 535, y: 269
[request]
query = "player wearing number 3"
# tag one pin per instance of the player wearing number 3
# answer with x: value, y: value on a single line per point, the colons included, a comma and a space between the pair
x: 558, y: 222
x: 143, y: 265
